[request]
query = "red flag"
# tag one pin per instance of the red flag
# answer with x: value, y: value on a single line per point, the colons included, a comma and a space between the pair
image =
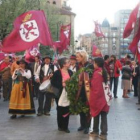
x: 96, y: 52
x: 31, y: 53
x: 98, y: 31
x: 65, y: 36
x: 58, y: 45
x: 133, y: 45
x: 131, y: 22
x: 30, y: 28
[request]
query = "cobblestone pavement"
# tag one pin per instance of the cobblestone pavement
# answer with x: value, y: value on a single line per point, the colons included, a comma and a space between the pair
x: 123, y: 123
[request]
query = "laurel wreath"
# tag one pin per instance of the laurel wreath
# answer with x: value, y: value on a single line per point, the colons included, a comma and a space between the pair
x: 78, y: 106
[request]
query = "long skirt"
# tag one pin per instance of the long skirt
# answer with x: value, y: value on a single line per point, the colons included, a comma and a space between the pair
x: 126, y: 84
x: 19, y: 103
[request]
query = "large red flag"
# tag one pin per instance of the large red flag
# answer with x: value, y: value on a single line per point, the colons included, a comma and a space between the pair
x: 133, y: 45
x: 65, y: 36
x: 96, y: 52
x: 97, y: 30
x: 30, y: 28
x: 131, y: 22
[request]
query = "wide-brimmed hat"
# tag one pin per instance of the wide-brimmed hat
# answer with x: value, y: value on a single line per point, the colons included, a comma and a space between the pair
x: 49, y: 57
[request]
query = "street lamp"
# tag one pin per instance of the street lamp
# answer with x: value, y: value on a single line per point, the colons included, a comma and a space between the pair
x: 58, y: 25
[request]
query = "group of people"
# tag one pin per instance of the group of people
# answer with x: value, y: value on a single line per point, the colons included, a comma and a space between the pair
x: 21, y: 82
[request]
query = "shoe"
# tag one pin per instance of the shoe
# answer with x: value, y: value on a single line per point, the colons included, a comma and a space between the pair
x: 39, y: 114
x: 138, y: 108
x: 47, y: 114
x: 22, y: 116
x: 115, y: 96
x: 95, y: 134
x: 137, y: 103
x: 135, y: 95
x: 67, y: 131
x: 86, y: 131
x: 103, y: 137
x: 13, y: 116
x: 126, y: 97
x: 60, y: 129
x: 80, y: 128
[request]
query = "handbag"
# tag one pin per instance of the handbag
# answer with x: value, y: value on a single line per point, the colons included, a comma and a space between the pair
x: 107, y: 93
x: 53, y: 90
x: 63, y: 100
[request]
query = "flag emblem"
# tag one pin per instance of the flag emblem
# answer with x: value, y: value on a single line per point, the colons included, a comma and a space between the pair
x: 29, y: 31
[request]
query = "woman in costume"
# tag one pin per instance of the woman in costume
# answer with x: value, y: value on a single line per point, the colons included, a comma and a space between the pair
x: 84, y: 91
x: 21, y: 101
x: 59, y: 81
x: 98, y: 103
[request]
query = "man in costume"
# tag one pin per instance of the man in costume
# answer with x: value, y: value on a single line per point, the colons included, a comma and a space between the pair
x: 34, y: 67
x: 5, y: 70
x: 43, y: 73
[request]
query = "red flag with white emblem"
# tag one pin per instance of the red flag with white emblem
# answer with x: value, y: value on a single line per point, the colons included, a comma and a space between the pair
x: 30, y: 28
x: 98, y: 31
x: 31, y: 53
x: 131, y: 22
x: 65, y: 36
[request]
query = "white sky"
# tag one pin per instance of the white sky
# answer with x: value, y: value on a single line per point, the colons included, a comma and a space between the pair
x: 89, y: 10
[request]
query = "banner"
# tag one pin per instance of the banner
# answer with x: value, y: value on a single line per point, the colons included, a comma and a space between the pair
x: 30, y: 28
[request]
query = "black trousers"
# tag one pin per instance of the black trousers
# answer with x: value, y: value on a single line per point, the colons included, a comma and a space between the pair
x: 139, y: 91
x: 84, y: 120
x: 135, y: 83
x: 44, y: 102
x: 7, y: 86
x: 35, y: 89
x: 62, y: 121
x: 103, y: 125
x: 115, y: 80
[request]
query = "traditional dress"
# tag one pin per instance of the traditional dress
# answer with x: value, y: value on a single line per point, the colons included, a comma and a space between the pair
x: 21, y: 101
x: 98, y: 103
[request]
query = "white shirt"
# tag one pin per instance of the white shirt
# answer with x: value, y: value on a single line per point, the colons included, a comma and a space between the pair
x: 36, y: 65
x: 26, y: 74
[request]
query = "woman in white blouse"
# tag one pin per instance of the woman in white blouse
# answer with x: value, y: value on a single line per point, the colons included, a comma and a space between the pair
x: 21, y: 100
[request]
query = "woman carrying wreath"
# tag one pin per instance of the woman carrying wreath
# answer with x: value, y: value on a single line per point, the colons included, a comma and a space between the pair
x: 84, y: 88
x: 59, y: 81
x: 21, y: 101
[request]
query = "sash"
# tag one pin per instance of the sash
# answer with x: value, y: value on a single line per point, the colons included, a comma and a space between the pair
x: 83, y: 77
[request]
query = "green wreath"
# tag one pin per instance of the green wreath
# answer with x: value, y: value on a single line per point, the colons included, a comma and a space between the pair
x: 72, y: 89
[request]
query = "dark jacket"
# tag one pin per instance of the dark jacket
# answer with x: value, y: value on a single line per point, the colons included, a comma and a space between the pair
x: 56, y: 80
x: 126, y: 73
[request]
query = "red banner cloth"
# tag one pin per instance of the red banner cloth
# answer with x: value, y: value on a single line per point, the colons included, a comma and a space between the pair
x: 131, y: 22
x: 98, y: 31
x: 65, y: 37
x: 96, y: 52
x: 30, y: 28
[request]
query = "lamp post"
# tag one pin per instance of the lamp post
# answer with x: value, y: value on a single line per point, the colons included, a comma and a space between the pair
x: 58, y: 26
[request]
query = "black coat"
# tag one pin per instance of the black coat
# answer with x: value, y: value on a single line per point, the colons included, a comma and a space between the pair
x: 56, y: 80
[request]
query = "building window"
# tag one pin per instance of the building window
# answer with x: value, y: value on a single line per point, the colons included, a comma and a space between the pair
x: 54, y: 2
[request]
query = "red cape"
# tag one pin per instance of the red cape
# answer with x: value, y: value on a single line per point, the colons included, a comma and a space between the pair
x: 97, y: 99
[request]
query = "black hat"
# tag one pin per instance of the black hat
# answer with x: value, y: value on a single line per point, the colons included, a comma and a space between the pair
x: 49, y: 57
x: 22, y: 61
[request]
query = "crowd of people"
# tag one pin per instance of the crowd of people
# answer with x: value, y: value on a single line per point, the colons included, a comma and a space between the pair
x: 21, y: 81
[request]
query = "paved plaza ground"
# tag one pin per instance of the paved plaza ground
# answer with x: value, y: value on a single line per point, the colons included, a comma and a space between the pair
x: 123, y: 123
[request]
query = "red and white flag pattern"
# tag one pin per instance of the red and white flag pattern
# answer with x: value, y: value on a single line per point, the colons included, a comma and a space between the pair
x: 30, y: 28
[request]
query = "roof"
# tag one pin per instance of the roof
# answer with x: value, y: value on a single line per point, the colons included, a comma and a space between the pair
x: 105, y: 23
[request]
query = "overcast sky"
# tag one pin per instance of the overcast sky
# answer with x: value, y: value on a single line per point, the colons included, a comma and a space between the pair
x: 89, y: 10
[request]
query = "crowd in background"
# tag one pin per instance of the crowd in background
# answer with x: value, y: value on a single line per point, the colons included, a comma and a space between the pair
x: 20, y: 82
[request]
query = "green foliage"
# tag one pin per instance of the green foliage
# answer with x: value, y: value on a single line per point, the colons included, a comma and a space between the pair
x: 78, y: 106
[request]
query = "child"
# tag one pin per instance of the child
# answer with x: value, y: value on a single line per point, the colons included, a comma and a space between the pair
x: 98, y: 103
